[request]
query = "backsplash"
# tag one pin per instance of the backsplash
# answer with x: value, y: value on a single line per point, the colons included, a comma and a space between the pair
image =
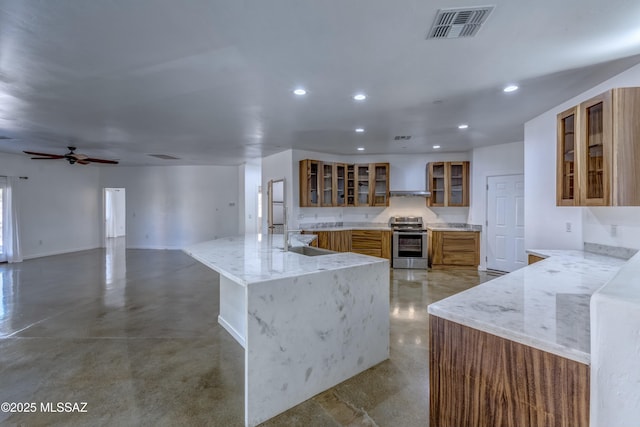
x: 398, y: 206
x: 612, y: 226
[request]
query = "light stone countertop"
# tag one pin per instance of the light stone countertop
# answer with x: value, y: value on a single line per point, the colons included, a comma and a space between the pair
x: 249, y: 259
x: 344, y: 227
x: 453, y: 227
x: 544, y: 305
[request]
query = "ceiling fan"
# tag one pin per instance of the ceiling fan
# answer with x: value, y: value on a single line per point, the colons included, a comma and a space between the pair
x: 71, y: 157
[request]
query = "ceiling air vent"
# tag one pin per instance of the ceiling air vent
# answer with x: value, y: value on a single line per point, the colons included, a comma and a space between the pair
x: 458, y: 22
x: 164, y: 157
x: 402, y: 137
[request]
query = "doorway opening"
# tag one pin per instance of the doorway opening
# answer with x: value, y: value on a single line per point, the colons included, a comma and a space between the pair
x: 114, y: 212
x: 3, y: 219
x: 276, y: 213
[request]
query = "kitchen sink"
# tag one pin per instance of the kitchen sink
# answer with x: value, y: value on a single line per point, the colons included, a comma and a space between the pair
x: 310, y: 251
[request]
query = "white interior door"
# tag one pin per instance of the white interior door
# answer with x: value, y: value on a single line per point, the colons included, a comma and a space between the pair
x: 505, y: 222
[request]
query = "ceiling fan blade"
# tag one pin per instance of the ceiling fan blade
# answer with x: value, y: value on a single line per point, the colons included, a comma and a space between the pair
x: 53, y: 156
x: 111, y: 162
x: 82, y: 162
x: 48, y: 158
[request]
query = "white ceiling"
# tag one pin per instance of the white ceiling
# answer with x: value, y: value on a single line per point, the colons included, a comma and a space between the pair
x: 211, y: 82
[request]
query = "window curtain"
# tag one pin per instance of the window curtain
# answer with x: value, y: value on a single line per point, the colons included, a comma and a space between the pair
x: 12, y: 229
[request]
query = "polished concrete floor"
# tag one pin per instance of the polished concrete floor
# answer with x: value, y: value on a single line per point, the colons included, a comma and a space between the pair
x: 134, y: 334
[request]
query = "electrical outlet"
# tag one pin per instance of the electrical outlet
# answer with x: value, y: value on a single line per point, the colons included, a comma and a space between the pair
x: 614, y: 230
x: 568, y: 227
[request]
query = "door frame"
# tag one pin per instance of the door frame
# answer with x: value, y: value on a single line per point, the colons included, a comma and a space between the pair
x: 484, y: 259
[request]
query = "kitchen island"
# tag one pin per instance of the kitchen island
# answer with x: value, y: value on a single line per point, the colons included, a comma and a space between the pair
x: 306, y: 323
x: 516, y: 350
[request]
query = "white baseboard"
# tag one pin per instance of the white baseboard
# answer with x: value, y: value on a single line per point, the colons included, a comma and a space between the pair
x: 66, y: 251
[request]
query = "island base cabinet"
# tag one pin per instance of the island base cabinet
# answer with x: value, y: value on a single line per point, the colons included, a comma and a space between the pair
x: 478, y: 379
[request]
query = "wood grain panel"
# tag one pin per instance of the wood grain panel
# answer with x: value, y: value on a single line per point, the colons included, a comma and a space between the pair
x: 454, y: 248
x: 367, y: 242
x: 534, y: 258
x: 386, y: 244
x: 479, y: 379
x: 340, y: 241
x: 626, y: 153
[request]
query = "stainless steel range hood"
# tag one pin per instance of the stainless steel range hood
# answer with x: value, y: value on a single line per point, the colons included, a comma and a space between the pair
x: 404, y: 193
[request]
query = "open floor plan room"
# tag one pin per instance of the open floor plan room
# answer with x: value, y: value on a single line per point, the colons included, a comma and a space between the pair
x: 134, y: 334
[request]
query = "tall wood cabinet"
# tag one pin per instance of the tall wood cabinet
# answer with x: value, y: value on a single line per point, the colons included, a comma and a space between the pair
x: 598, y: 151
x: 448, y: 184
x: 338, y: 184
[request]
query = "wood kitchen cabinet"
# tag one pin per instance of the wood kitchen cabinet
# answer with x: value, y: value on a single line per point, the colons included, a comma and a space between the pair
x: 366, y: 242
x: 598, y: 151
x: 448, y: 183
x: 454, y: 248
x: 310, y: 183
x: 339, y: 241
x: 325, y: 184
x: 371, y: 242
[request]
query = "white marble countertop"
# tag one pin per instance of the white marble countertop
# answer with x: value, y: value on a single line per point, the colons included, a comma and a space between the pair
x: 345, y: 227
x: 544, y: 305
x: 252, y: 259
x: 453, y: 227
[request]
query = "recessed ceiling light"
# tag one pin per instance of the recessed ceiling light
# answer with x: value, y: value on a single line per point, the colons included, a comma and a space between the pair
x: 300, y: 92
x: 359, y: 130
x: 360, y: 97
x: 510, y: 88
x: 360, y: 148
x: 463, y: 126
x: 436, y: 147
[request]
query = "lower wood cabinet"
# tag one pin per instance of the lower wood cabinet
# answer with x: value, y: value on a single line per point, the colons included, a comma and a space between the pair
x: 454, y: 248
x: 366, y: 242
x: 534, y: 258
x: 371, y: 242
x: 478, y: 379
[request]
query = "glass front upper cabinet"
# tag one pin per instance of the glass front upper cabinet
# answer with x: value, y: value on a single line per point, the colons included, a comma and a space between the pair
x: 566, y: 193
x: 327, y: 184
x: 437, y: 186
x: 595, y: 150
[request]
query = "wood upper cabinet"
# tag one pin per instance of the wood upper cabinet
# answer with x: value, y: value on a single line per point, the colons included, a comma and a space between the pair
x: 379, y: 174
x: 448, y: 184
x: 363, y: 185
x: 310, y: 183
x: 566, y: 178
x: 338, y: 184
x: 328, y: 194
x: 598, y: 151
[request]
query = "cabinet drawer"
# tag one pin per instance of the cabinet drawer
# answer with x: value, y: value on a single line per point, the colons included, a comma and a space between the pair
x: 366, y: 239
x: 458, y: 242
x: 372, y: 252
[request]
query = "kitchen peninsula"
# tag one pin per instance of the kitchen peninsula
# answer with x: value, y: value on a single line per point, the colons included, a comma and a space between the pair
x: 306, y: 323
x: 517, y: 350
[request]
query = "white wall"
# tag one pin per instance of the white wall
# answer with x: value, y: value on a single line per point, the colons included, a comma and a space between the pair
x: 169, y: 207
x: 546, y: 223
x: 502, y: 159
x: 278, y: 166
x: 58, y: 206
x: 407, y: 172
